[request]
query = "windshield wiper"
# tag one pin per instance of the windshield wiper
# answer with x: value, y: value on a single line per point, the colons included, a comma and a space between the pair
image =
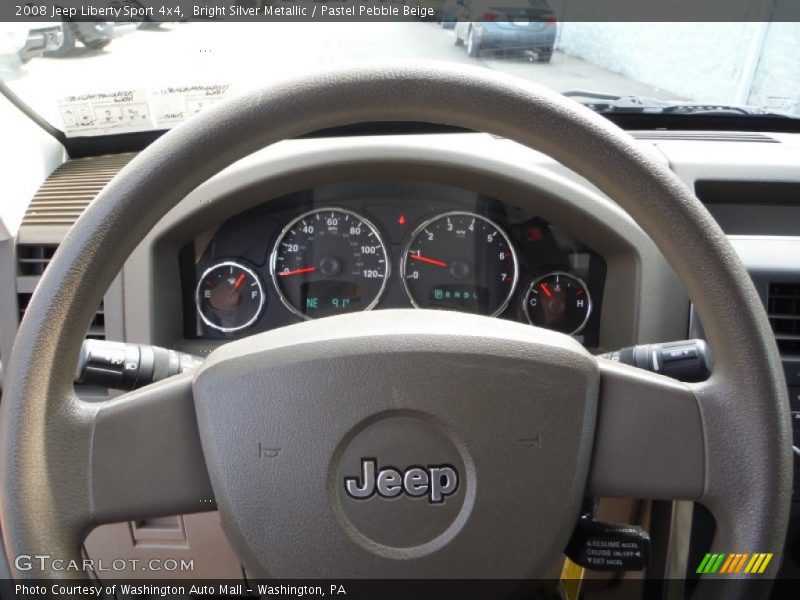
x: 613, y: 104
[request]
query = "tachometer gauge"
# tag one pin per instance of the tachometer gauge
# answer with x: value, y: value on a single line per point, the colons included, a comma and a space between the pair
x: 229, y: 296
x: 558, y: 301
x: 329, y: 261
x: 460, y: 261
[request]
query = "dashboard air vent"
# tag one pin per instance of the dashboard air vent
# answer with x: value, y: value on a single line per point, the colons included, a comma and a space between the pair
x: 97, y: 330
x: 783, y: 309
x: 71, y: 187
x: 32, y: 259
x: 22, y: 302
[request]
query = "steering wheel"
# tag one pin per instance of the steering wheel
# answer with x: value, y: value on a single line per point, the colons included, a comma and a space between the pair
x: 402, y: 443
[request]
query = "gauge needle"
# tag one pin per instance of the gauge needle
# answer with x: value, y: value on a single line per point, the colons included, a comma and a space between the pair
x: 546, y: 290
x: 425, y: 259
x: 233, y: 293
x: 297, y: 271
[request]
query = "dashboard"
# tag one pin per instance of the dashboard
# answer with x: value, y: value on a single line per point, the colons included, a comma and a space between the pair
x: 371, y: 245
x: 190, y: 284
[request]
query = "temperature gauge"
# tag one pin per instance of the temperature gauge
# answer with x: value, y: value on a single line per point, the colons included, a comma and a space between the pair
x: 230, y: 297
x: 558, y: 301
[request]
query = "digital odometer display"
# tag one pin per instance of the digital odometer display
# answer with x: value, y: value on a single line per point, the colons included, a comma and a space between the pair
x: 460, y: 261
x: 329, y: 261
x: 338, y: 295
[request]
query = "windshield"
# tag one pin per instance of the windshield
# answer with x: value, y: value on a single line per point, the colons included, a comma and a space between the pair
x: 103, y: 78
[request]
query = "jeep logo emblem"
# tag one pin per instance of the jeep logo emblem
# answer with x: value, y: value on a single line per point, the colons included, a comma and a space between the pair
x: 436, y: 481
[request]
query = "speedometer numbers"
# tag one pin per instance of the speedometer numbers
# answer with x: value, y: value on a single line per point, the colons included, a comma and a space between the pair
x: 460, y: 261
x: 329, y: 261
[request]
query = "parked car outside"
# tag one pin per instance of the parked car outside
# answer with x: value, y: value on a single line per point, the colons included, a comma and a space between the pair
x: 94, y: 35
x: 512, y: 26
x: 448, y: 13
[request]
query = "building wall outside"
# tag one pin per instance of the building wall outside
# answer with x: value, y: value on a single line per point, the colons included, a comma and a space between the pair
x: 705, y: 62
x: 776, y: 84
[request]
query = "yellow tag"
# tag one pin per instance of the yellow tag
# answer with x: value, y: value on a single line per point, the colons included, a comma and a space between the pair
x: 571, y: 579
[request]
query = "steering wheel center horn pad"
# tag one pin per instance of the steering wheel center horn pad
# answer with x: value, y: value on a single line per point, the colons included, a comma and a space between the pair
x: 357, y: 444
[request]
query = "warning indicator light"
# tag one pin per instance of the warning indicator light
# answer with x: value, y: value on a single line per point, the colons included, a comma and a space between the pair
x: 534, y: 234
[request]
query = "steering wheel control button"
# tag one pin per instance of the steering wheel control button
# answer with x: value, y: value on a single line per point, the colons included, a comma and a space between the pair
x: 609, y: 546
x: 121, y: 366
x: 401, y: 483
x: 688, y: 360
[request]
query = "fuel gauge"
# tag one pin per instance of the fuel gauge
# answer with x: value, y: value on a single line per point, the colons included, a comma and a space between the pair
x: 558, y: 301
x: 230, y: 296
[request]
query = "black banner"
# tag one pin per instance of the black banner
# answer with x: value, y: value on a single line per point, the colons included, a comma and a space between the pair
x: 546, y: 11
x: 613, y: 587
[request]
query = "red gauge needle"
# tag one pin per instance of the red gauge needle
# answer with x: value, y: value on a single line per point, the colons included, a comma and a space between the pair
x: 425, y: 259
x: 297, y: 271
x: 546, y: 290
x: 232, y: 296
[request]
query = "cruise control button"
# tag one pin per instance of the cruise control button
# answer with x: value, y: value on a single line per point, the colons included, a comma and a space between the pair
x: 679, y: 354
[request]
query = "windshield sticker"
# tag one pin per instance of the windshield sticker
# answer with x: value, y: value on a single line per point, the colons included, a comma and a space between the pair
x: 102, y: 113
x: 126, y: 111
x: 174, y: 105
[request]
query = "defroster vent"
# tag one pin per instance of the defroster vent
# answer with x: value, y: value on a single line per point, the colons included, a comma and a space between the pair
x: 71, y: 187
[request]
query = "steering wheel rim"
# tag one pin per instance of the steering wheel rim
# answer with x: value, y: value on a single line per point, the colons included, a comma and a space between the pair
x: 49, y: 498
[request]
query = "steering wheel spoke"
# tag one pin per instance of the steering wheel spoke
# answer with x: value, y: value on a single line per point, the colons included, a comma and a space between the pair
x: 649, y: 437
x: 146, y: 458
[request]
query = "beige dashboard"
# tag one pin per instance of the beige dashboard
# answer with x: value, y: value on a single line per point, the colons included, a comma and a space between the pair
x: 642, y: 298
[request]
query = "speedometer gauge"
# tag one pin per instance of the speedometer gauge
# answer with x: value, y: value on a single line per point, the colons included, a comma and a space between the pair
x: 460, y: 261
x: 327, y: 262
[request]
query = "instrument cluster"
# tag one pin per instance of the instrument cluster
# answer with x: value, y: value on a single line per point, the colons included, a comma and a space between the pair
x: 298, y: 258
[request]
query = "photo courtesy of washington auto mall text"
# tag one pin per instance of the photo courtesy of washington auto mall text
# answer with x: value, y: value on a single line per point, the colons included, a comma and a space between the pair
x: 175, y: 590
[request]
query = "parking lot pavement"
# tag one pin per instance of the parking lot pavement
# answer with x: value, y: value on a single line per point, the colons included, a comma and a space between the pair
x: 249, y: 55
